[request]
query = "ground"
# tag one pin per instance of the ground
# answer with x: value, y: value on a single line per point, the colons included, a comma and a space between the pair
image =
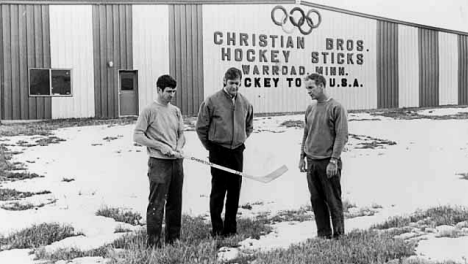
x: 395, y: 163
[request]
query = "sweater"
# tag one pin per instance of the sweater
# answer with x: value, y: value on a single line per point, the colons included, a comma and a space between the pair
x: 163, y: 125
x: 325, y: 130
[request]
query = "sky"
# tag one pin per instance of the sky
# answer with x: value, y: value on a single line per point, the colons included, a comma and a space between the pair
x: 447, y: 14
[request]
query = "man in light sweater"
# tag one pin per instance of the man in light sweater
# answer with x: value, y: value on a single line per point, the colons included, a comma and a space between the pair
x: 325, y: 135
x: 160, y: 128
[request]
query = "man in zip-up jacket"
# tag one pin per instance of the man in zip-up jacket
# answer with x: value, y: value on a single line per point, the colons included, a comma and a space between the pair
x: 225, y: 121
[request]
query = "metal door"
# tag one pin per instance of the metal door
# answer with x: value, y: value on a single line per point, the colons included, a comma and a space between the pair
x: 128, y: 93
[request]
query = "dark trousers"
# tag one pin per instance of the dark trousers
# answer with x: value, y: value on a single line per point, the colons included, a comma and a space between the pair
x: 166, y: 178
x: 225, y: 184
x: 325, y: 196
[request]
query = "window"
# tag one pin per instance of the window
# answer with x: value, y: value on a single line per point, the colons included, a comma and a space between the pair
x: 127, y: 80
x: 50, y: 82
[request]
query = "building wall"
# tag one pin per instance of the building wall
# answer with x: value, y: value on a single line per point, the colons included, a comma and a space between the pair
x: 73, y: 49
x: 368, y: 62
x: 463, y: 70
x: 150, y: 48
x: 25, y: 44
x: 186, y: 55
x: 429, y: 67
x: 2, y: 67
x: 408, y: 67
x: 112, y: 41
x: 286, y: 95
x: 448, y: 69
x: 387, y: 65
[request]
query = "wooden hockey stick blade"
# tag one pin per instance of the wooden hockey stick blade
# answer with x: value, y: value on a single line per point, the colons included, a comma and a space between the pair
x: 265, y: 179
x: 272, y: 175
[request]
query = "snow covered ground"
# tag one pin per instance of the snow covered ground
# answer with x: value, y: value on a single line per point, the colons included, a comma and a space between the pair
x: 421, y: 170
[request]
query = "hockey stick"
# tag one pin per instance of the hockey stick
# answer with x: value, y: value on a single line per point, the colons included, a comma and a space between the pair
x: 265, y: 179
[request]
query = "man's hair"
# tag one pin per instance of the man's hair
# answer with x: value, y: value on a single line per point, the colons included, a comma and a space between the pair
x: 319, y: 79
x: 166, y: 81
x: 232, y: 74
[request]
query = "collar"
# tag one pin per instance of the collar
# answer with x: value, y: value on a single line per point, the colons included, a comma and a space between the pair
x: 229, y: 95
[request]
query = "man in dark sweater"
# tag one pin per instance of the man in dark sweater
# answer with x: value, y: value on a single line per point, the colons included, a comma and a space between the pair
x: 225, y: 121
x: 325, y: 134
x: 160, y: 128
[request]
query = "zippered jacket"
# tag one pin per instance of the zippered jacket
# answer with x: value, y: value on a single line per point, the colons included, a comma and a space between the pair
x: 223, y: 121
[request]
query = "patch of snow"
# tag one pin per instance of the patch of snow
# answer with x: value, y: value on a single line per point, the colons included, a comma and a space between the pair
x: 443, y: 111
x: 442, y: 249
x: 419, y: 172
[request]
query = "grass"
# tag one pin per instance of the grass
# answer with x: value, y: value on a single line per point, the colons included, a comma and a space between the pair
x: 64, y: 179
x: 441, y: 215
x: 367, y: 142
x: 411, y: 113
x: 299, y: 215
x: 355, y: 247
x: 120, y: 215
x: 37, y: 235
x: 9, y: 171
x: 11, y: 194
x: 21, y: 206
x: 197, y: 246
x: 71, y: 253
x: 44, y: 128
x: 122, y: 229
x: 463, y: 176
x: 17, y: 206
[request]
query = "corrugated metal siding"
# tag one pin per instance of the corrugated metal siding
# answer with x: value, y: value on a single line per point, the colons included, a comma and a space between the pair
x: 387, y: 65
x: 150, y: 48
x: 408, y: 66
x: 1, y: 66
x: 112, y: 41
x: 448, y: 69
x: 186, y: 55
x: 257, y: 20
x: 429, y: 68
x: 26, y: 44
x: 463, y: 70
x: 75, y: 53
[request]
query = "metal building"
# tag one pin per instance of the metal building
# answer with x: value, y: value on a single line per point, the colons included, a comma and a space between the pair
x: 101, y: 58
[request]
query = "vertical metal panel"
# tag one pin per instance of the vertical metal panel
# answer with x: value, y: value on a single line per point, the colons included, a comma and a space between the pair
x: 23, y: 67
x: 185, y: 56
x: 408, y: 67
x: 6, y: 93
x: 462, y: 70
x: 2, y: 66
x: 256, y: 19
x: 112, y: 37
x: 448, y: 69
x: 429, y: 67
x: 25, y: 45
x: 387, y: 65
x: 15, y: 59
x: 76, y: 53
x: 150, y: 48
x: 199, y: 63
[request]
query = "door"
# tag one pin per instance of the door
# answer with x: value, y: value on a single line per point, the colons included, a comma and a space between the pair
x: 128, y: 93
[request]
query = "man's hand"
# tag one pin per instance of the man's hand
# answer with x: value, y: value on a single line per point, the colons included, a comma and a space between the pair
x: 179, y: 154
x: 166, y: 151
x: 332, y: 169
x: 302, y: 165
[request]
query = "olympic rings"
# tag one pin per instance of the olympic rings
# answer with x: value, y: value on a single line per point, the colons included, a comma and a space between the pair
x: 299, y: 23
